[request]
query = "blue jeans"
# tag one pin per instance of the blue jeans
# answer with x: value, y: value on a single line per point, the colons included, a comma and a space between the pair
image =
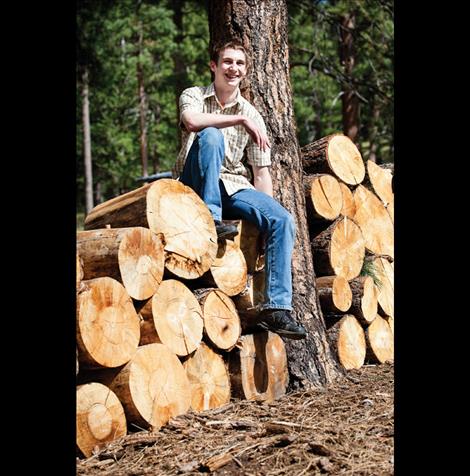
x: 201, y: 173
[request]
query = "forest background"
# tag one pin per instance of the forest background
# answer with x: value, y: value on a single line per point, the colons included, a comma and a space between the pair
x: 134, y: 58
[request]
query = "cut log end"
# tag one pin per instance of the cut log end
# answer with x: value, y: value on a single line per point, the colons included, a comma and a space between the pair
x: 221, y: 321
x: 208, y: 378
x: 258, y: 368
x: 100, y: 417
x: 177, y: 317
x: 380, y: 344
x: 108, y: 327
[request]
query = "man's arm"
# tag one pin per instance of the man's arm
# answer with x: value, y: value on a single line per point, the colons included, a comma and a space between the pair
x: 262, y: 179
x: 195, y: 121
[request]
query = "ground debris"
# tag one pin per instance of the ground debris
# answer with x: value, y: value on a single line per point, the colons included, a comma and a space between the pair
x: 344, y: 428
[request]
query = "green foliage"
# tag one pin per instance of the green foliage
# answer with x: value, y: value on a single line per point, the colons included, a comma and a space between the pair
x: 115, y: 37
x: 370, y: 269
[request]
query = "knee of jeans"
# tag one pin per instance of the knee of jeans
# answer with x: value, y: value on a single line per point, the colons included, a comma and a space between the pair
x: 211, y: 136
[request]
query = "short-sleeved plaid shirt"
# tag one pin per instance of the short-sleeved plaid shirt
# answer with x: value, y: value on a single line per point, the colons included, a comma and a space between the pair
x: 239, y: 146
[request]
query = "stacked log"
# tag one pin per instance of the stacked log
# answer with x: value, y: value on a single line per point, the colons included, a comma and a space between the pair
x: 350, y: 216
x: 160, y: 320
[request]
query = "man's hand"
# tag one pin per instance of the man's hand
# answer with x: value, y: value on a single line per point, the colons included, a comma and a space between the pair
x: 258, y: 136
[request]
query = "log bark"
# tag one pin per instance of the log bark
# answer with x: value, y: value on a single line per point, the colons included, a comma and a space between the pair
x: 349, y: 207
x: 177, y: 317
x: 166, y: 206
x: 334, y: 293
x: 379, y: 340
x: 222, y: 326
x: 323, y: 197
x: 100, y: 417
x: 108, y: 329
x: 335, y: 154
x: 134, y: 256
x: 262, y: 28
x: 339, y: 250
x: 374, y: 221
x: 364, y: 299
x: 208, y: 379
x: 347, y: 337
x: 258, y: 367
x: 153, y: 387
x: 228, y: 271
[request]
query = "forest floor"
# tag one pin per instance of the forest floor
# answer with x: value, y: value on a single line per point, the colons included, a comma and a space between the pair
x: 344, y: 428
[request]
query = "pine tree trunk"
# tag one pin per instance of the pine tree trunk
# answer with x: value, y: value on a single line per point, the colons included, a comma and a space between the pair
x: 350, y: 100
x: 87, y: 143
x: 262, y: 27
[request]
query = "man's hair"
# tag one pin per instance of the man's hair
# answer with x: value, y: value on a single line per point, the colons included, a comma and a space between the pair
x: 222, y: 45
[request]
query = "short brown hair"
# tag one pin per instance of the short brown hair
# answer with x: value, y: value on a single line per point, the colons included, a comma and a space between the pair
x: 222, y: 45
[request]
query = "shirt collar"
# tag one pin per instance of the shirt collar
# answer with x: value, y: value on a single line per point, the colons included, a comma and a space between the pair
x: 210, y: 91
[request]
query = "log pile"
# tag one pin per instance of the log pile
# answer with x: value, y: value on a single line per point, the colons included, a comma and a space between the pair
x: 159, y: 330
x: 166, y: 313
x: 350, y: 217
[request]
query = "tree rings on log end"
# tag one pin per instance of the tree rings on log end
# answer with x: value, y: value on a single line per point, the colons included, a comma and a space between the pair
x: 208, y: 378
x: 100, y: 417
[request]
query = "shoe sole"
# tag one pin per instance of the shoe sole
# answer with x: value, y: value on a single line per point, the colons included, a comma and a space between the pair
x: 282, y: 332
x: 227, y: 236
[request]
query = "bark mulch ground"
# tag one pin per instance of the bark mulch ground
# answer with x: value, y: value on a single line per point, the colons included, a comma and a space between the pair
x: 345, y: 428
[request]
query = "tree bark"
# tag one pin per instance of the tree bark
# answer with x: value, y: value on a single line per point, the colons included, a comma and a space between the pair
x: 87, y: 143
x: 350, y: 100
x: 262, y: 28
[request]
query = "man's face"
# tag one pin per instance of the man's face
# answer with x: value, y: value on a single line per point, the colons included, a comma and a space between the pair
x: 230, y: 69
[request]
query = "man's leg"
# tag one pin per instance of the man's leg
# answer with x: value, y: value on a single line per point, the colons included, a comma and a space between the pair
x: 277, y: 225
x: 201, y: 172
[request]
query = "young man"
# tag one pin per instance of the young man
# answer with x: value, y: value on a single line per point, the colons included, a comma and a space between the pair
x: 222, y: 133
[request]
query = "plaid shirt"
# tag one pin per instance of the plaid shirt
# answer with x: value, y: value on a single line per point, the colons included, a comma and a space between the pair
x: 240, y: 149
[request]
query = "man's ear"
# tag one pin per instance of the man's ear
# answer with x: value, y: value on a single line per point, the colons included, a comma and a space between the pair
x: 212, y: 66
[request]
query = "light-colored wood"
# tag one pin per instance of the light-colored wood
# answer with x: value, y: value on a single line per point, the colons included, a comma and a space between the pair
x: 347, y: 338
x: 166, y: 206
x: 349, y: 207
x: 374, y: 221
x: 100, y: 417
x: 132, y: 255
x: 364, y: 299
x: 153, y: 387
x: 323, y: 195
x: 248, y: 301
x: 336, y: 154
x: 229, y: 270
x: 391, y: 322
x: 334, y: 293
x: 379, y: 340
x: 177, y: 317
x: 79, y: 272
x: 391, y: 210
x: 248, y: 240
x: 339, y: 250
x: 221, y: 321
x: 386, y: 293
x: 108, y: 329
x: 381, y: 182
x: 208, y: 378
x: 148, y: 333
x: 258, y: 367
